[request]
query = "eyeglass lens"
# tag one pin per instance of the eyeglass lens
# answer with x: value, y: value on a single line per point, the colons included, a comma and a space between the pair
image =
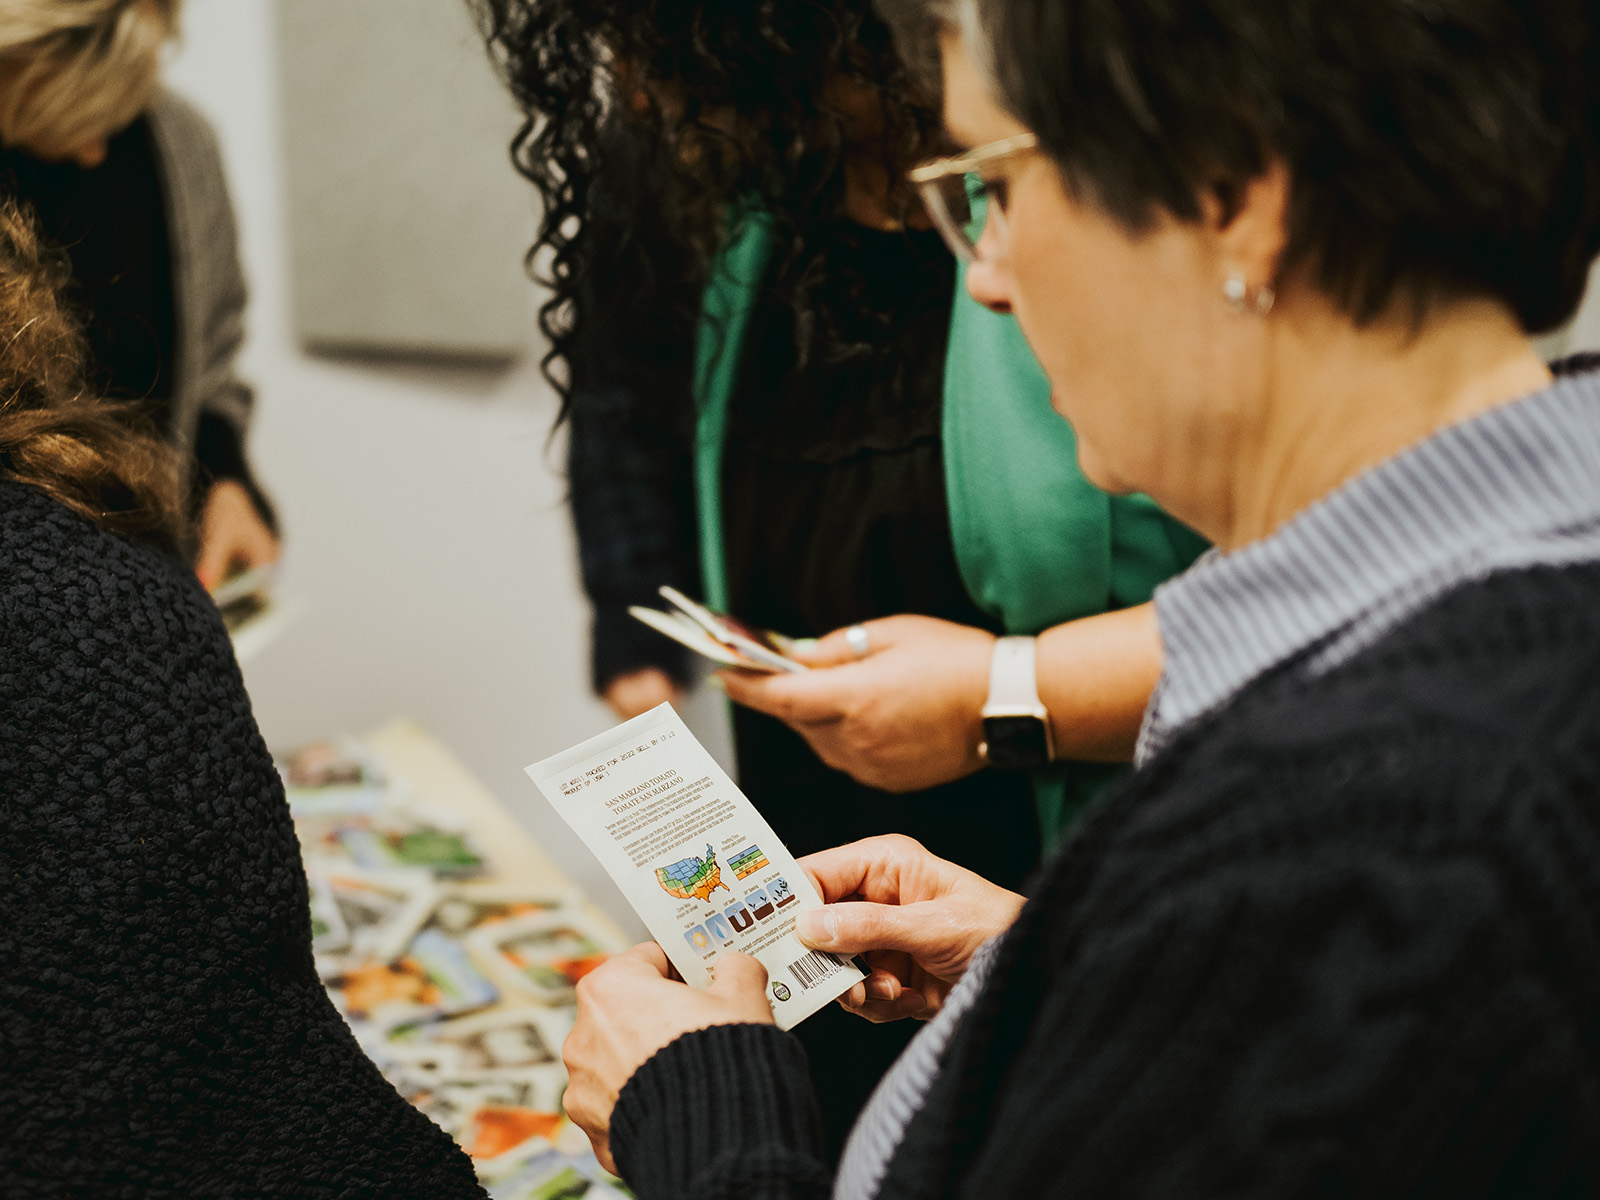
x: 956, y: 206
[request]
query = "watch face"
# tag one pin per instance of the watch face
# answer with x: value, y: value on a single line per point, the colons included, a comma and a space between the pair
x: 1016, y: 743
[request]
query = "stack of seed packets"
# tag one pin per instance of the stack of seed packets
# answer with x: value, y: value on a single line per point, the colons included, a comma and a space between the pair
x: 458, y: 985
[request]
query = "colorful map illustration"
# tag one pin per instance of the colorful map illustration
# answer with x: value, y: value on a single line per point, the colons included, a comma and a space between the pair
x: 748, y: 861
x: 692, y: 878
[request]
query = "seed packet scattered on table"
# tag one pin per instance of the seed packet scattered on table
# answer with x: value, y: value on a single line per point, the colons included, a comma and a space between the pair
x: 451, y: 1099
x: 506, y: 1038
x: 556, y: 1176
x: 465, y: 908
x: 699, y: 864
x: 338, y: 775
x: 448, y: 854
x: 542, y: 955
x: 382, y: 909
x: 329, y: 934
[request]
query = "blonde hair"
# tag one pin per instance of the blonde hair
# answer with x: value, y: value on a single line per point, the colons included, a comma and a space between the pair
x: 75, y: 71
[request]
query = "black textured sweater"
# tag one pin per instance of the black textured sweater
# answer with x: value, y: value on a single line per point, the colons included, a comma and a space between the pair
x: 162, y: 1029
x: 1340, y: 939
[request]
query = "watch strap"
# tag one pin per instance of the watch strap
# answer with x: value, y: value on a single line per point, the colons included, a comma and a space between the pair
x: 1013, y: 686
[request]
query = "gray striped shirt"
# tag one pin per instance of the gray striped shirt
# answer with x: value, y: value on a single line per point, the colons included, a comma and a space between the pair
x: 1518, y: 486
x: 899, y: 1093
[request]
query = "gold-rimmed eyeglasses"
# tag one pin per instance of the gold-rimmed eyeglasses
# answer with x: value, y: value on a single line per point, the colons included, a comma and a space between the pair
x: 960, y: 200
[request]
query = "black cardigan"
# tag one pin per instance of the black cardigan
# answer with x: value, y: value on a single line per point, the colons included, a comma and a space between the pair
x: 162, y: 1028
x: 1341, y: 939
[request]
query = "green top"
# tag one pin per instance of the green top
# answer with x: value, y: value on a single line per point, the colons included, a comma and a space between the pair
x: 1036, y: 543
x: 730, y: 297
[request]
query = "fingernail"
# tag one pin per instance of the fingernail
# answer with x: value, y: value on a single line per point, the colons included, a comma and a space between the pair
x: 818, y: 927
x: 882, y: 989
x: 805, y: 645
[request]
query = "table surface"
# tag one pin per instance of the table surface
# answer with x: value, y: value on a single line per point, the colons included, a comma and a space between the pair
x: 437, y: 777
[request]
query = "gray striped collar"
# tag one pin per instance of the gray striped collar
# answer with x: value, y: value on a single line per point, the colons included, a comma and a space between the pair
x: 1515, y: 487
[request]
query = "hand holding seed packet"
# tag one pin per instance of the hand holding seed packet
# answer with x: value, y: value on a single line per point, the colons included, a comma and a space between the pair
x: 699, y: 864
x: 719, y: 637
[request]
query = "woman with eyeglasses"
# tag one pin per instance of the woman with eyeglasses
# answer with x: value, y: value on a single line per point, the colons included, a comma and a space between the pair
x: 1340, y: 933
x: 780, y: 398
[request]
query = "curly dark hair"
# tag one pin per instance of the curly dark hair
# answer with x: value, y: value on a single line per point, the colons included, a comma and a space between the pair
x: 85, y: 452
x: 689, y: 107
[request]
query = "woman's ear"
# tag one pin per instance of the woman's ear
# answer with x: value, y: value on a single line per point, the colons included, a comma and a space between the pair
x: 1249, y: 225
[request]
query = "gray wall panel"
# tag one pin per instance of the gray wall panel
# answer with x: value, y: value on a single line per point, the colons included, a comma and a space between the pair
x: 407, y: 223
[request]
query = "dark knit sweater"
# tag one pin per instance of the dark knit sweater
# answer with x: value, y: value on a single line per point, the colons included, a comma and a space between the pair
x: 162, y: 1029
x: 1342, y: 938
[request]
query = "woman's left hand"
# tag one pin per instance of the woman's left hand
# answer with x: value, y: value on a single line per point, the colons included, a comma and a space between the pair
x: 630, y: 1007
x: 904, y: 718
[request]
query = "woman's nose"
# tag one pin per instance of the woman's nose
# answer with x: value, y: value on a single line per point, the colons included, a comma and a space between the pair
x: 91, y: 154
x: 986, y: 283
x: 987, y: 278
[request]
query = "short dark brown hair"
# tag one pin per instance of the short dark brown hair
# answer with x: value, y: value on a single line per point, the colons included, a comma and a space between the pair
x: 1437, y: 150
x: 84, y: 452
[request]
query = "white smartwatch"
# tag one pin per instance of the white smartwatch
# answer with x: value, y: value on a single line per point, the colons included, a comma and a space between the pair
x: 1016, y: 724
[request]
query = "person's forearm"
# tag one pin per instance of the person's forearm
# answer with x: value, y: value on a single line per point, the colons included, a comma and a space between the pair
x: 1095, y: 676
x: 725, y: 1113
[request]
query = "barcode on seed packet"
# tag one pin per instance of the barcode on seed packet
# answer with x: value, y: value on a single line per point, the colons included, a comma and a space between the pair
x: 815, y: 967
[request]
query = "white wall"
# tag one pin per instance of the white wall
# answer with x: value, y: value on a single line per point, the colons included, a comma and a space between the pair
x: 426, y: 529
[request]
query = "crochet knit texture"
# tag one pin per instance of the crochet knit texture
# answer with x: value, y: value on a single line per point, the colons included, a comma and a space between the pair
x: 162, y: 1029
x: 1342, y: 938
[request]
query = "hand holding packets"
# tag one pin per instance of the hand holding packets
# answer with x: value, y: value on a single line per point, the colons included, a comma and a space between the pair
x: 719, y: 637
x: 712, y: 883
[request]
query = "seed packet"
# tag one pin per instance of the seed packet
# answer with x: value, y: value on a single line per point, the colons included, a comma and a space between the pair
x: 466, y: 907
x: 329, y: 934
x: 699, y: 864
x: 543, y: 955
x: 382, y: 909
x: 505, y: 1038
x: 717, y: 636
x: 338, y: 776
x: 401, y: 842
x: 451, y: 1099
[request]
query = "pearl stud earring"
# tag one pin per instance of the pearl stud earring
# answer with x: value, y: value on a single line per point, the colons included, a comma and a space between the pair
x: 1237, y: 293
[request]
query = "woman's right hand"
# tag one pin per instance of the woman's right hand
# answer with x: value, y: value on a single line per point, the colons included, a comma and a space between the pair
x: 640, y: 691
x: 916, y: 918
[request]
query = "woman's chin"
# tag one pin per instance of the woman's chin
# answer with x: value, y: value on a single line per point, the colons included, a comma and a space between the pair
x: 1096, y: 472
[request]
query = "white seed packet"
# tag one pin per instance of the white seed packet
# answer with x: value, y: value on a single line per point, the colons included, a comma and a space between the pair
x: 543, y: 954
x: 382, y: 909
x: 699, y: 864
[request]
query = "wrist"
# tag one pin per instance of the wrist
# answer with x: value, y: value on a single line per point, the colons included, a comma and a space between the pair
x: 754, y: 1089
x: 975, y: 694
x: 1017, y: 733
